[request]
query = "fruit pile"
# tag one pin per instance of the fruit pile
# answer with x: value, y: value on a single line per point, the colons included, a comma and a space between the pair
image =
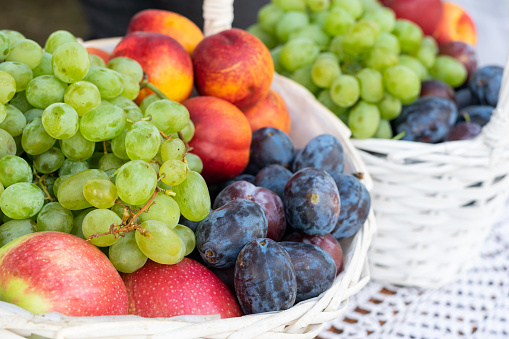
x: 368, y: 63
x: 111, y: 175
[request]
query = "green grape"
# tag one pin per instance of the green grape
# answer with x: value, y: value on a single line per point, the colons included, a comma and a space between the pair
x: 415, y: 65
x: 58, y: 38
x: 371, y: 85
x: 19, y: 100
x: 164, y: 209
x: 409, y: 35
x: 446, y: 69
x: 103, y: 122
x: 131, y: 87
x: 14, y: 169
x: 70, y: 190
x: 164, y: 246
x: 427, y: 51
x: 147, y: 101
x: 192, y: 196
x: 60, y: 120
x: 21, y: 73
x: 318, y: 5
x: 353, y: 7
x: 168, y: 116
x: 7, y: 87
x: 173, y: 172
x: 19, y: 148
x: 303, y: 76
x: 45, y: 90
x: 291, y: 5
x: 384, y: 18
x: 194, y: 162
x: 78, y: 221
x: 313, y: 32
x: 188, y: 131
x: 275, y: 54
x: 345, y: 90
x: 187, y: 236
x: 390, y: 107
x: 127, y: 66
x: 268, y: 17
x: 99, y: 221
x: 268, y: 39
x: 136, y: 181
x: 363, y: 120
x: 118, y: 146
x: 384, y: 130
x: 35, y: 140
x: 319, y: 18
x: 54, y: 217
x: 3, y: 112
x: 125, y: 254
x: 21, y: 200
x: 13, y: 36
x: 70, y: 62
x: 70, y: 167
x: 325, y: 70
x: 14, y: 121
x: 14, y: 229
x: 142, y: 141
x: 371, y: 5
x: 77, y: 148
x: 93, y: 161
x: 5, y: 46
x: 49, y: 161
x: 336, y: 47
x: 132, y: 111
x: 290, y: 22
x: 96, y: 60
x: 338, y: 21
x: 381, y: 56
x: 82, y: 96
x: 359, y: 38
x: 173, y: 149
x: 110, y: 161
x: 402, y: 83
x: 58, y: 182
x: 44, y: 67
x: 297, y: 53
x: 26, y: 51
x: 390, y: 41
x: 109, y: 82
x: 100, y: 193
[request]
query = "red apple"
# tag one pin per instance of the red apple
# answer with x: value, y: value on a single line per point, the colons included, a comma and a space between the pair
x: 169, y: 23
x: 59, y: 272
x: 233, y: 65
x: 166, y: 62
x: 222, y: 137
x: 185, y: 288
x: 271, y: 111
x: 425, y: 13
x: 455, y: 25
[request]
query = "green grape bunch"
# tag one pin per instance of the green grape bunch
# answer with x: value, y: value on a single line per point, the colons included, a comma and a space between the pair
x: 78, y: 155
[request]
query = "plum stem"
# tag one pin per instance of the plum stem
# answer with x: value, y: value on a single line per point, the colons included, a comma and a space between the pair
x: 399, y: 136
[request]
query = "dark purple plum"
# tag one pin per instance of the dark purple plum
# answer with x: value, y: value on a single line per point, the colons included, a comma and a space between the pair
x: 223, y: 233
x: 463, y: 131
x: 271, y: 204
x: 427, y: 119
x: 462, y: 52
x: 269, y: 146
x: 264, y: 277
x: 437, y: 88
x: 191, y: 224
x: 215, y: 189
x: 485, y: 85
x: 355, y: 206
x: 324, y: 152
x: 464, y: 98
x: 274, y: 178
x: 312, y: 201
x: 479, y: 114
x: 315, y: 269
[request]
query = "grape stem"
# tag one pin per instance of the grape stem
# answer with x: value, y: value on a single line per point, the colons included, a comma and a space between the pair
x: 42, y: 184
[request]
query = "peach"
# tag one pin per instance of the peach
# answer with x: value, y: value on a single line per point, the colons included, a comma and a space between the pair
x: 100, y: 53
x: 233, y: 65
x: 222, y: 137
x: 169, y: 23
x: 455, y: 25
x: 166, y: 62
x: 271, y: 111
x: 425, y: 13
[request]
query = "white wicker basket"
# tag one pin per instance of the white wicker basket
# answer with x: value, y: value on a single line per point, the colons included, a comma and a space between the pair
x: 435, y: 203
x: 304, y: 320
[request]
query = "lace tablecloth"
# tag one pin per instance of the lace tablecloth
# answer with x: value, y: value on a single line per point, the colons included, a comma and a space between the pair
x: 476, y: 306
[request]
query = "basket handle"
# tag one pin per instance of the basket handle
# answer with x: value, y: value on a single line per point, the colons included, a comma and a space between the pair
x: 217, y: 15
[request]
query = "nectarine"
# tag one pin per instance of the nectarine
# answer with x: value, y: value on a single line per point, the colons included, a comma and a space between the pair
x: 455, y: 25
x: 100, y: 53
x: 271, y: 111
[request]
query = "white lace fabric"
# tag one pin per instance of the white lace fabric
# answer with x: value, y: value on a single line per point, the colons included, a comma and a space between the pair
x: 475, y: 306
